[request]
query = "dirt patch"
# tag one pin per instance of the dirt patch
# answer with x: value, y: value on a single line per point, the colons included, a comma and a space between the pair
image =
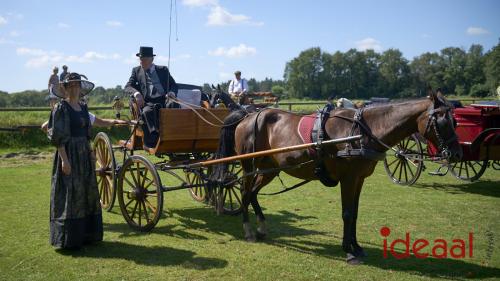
x: 15, y: 159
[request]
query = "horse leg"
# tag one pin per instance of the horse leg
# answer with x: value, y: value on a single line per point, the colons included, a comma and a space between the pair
x: 358, y: 250
x: 261, y: 181
x: 246, y: 193
x: 348, y: 188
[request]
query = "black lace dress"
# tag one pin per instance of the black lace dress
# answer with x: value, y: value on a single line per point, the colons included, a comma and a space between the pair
x: 75, y: 210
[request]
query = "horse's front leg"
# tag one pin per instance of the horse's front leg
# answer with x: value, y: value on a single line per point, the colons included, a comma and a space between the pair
x: 348, y: 193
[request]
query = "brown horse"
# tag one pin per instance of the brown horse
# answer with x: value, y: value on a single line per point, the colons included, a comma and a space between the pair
x: 273, y: 128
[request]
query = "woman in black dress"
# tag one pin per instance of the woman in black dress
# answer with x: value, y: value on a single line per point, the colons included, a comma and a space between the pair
x: 75, y: 210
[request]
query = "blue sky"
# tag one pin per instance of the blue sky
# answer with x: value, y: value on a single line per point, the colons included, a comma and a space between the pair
x: 216, y: 37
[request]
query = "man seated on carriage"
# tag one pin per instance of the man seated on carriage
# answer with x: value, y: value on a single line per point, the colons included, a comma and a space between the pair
x: 238, y: 88
x: 149, y: 85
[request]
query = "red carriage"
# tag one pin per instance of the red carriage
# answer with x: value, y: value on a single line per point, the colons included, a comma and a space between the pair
x: 478, y: 131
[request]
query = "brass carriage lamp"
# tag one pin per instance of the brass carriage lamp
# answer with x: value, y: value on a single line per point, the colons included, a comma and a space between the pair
x: 117, y: 106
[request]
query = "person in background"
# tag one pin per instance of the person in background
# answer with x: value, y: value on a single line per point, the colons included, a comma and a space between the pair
x: 53, y: 87
x: 53, y: 96
x: 238, y: 87
x: 63, y: 73
x: 75, y: 210
x: 150, y: 85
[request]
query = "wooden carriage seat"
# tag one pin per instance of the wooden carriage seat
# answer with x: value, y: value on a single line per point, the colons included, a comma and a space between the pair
x: 182, y: 130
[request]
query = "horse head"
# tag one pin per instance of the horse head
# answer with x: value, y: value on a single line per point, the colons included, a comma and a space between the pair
x: 438, y: 126
x: 224, y: 97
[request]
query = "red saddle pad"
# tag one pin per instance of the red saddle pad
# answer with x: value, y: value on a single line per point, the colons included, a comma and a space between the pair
x: 305, y: 128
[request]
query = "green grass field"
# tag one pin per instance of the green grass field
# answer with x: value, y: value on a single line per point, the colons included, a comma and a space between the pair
x: 304, y: 243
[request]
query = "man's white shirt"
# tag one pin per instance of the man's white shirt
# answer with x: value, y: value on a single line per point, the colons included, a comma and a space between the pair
x: 238, y: 86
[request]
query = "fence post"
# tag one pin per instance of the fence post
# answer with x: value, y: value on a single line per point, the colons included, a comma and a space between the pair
x: 290, y: 107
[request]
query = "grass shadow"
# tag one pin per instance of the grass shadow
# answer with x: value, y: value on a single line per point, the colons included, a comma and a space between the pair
x: 429, y: 267
x: 485, y: 188
x: 150, y: 256
x: 289, y: 230
x: 283, y: 224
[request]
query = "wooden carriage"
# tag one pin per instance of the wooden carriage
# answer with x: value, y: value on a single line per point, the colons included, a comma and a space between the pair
x: 183, y: 131
x: 187, y: 135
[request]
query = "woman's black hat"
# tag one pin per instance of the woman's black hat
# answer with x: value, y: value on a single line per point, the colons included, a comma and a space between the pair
x: 86, y: 85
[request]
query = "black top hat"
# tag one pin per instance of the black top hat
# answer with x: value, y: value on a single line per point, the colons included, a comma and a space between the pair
x: 145, y: 52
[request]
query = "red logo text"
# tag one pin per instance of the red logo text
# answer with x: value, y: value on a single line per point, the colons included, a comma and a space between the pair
x: 423, y: 248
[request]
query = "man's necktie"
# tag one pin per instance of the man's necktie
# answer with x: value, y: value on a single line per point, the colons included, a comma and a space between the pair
x: 149, y: 82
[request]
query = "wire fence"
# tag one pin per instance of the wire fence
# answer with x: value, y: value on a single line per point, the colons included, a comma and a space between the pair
x: 287, y: 105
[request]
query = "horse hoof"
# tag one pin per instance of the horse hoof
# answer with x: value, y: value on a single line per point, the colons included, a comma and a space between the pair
x: 260, y: 236
x: 353, y: 260
x: 250, y: 239
x: 360, y: 253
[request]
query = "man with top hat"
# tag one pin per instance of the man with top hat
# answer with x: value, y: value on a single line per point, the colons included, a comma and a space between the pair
x: 149, y: 85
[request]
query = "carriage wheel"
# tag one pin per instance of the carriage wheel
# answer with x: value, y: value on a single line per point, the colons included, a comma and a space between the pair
x: 105, y: 170
x: 140, y: 193
x: 229, y: 195
x: 400, y: 169
x: 198, y: 177
x: 469, y: 170
x: 195, y: 177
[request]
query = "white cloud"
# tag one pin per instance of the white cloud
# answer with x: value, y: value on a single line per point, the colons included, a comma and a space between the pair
x: 14, y: 33
x: 3, y: 21
x: 476, y: 31
x: 40, y: 58
x: 220, y: 17
x: 30, y: 52
x: 132, y: 59
x: 425, y: 36
x: 239, y: 51
x: 63, y: 25
x: 162, y: 59
x: 4, y: 41
x: 16, y: 16
x: 225, y: 75
x: 184, y: 56
x: 200, y: 3
x: 113, y: 23
x: 367, y: 44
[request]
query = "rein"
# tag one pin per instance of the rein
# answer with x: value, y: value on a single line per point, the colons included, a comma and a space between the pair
x: 193, y: 108
x: 431, y: 123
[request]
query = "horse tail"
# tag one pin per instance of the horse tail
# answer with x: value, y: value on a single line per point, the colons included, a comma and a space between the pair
x: 226, y: 144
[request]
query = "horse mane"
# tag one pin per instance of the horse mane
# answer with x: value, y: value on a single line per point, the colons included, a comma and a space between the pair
x: 397, y: 102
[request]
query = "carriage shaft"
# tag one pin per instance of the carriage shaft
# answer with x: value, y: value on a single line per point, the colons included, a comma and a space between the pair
x: 272, y: 151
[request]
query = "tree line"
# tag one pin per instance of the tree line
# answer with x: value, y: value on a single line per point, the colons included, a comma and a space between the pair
x: 316, y: 74
x: 362, y: 74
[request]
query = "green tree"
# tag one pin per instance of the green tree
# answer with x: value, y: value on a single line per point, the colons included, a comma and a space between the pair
x: 303, y: 74
x: 454, y: 60
x: 492, y: 69
x: 474, y: 65
x: 253, y: 86
x: 394, y: 73
x: 278, y: 90
x: 426, y: 70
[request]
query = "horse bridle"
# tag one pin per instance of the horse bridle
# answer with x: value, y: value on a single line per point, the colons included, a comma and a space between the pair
x: 433, y: 123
